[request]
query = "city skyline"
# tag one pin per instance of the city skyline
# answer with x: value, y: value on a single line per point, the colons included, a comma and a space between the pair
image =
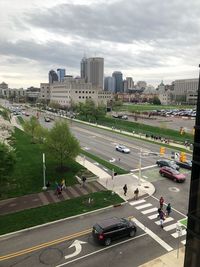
x: 149, y: 40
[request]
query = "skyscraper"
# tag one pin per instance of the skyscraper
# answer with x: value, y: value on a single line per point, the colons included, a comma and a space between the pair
x: 109, y: 84
x: 92, y: 70
x: 61, y: 74
x: 53, y: 77
x: 84, y: 68
x: 118, y: 81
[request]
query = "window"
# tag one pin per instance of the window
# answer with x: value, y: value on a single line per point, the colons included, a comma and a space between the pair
x: 79, y: 96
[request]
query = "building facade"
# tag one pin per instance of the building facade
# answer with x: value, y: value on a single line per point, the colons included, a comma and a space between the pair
x: 95, y: 71
x: 61, y: 74
x: 53, y: 77
x: 185, y: 90
x: 109, y: 84
x: 44, y: 92
x: 117, y: 75
x: 75, y: 90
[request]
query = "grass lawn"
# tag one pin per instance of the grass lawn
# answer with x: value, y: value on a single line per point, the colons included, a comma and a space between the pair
x: 28, y: 172
x: 147, y: 107
x: 67, y: 208
x: 184, y: 222
x: 104, y: 163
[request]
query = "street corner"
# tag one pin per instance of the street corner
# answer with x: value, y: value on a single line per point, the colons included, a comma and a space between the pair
x: 146, y: 188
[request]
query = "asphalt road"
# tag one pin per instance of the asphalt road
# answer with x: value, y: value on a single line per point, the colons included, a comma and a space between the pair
x: 53, y: 245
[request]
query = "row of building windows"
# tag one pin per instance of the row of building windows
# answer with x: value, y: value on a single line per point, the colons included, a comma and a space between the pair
x: 84, y: 97
x: 84, y: 92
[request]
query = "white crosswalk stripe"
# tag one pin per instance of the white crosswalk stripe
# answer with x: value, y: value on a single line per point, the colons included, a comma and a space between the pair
x: 149, y: 211
x: 143, y: 206
x: 183, y: 242
x: 169, y: 219
x: 175, y: 235
x: 154, y: 216
x: 134, y: 203
x: 170, y: 227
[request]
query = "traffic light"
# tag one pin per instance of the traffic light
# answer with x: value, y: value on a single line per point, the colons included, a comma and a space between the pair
x: 182, y: 157
x: 162, y: 150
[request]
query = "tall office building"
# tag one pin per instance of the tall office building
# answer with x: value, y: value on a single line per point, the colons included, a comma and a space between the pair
x: 84, y: 68
x: 109, y: 84
x: 92, y: 70
x: 53, y: 77
x: 118, y: 81
x: 61, y: 74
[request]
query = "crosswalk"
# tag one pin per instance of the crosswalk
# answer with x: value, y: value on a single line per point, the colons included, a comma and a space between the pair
x: 170, y: 225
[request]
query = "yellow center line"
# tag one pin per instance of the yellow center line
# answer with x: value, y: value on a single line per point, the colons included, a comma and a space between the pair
x: 44, y: 245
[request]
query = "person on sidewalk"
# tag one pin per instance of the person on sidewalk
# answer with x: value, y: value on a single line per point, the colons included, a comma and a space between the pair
x: 63, y: 186
x: 168, y: 210
x: 161, y: 201
x: 136, y: 193
x: 83, y: 180
x: 125, y: 188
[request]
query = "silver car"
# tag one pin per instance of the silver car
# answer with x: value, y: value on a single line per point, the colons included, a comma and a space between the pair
x: 122, y: 149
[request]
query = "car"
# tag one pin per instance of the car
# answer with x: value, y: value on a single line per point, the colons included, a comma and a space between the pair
x: 47, y: 119
x: 107, y: 230
x: 186, y: 165
x: 167, y: 163
x: 122, y: 149
x: 172, y: 174
x: 124, y: 117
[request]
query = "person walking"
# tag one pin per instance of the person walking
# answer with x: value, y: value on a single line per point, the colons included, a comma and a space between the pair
x: 63, y: 185
x: 83, y: 180
x: 136, y: 193
x: 125, y: 189
x: 168, y: 210
x: 162, y: 218
x: 161, y: 201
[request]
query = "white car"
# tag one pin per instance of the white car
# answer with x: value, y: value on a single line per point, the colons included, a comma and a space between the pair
x: 122, y: 149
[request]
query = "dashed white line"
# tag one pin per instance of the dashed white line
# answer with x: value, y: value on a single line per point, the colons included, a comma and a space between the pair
x: 154, y: 216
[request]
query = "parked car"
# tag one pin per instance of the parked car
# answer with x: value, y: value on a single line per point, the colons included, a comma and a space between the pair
x: 113, y: 228
x: 172, y: 174
x: 186, y: 165
x: 122, y: 149
x: 168, y: 163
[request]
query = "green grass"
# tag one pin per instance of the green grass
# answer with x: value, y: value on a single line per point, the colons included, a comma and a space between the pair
x: 27, y: 176
x: 21, y: 120
x: 141, y: 128
x: 184, y: 222
x: 147, y: 107
x: 104, y: 163
x: 52, y: 212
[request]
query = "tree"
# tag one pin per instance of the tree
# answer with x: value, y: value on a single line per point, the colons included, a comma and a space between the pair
x: 7, y: 161
x: 40, y: 134
x: 156, y: 101
x: 99, y: 111
x: 62, y: 143
x: 31, y: 126
x: 54, y: 105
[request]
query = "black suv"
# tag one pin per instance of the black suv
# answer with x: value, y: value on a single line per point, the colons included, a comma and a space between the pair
x: 109, y: 229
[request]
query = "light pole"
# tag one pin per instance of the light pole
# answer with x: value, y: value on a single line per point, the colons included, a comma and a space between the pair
x: 140, y: 166
x: 44, y: 173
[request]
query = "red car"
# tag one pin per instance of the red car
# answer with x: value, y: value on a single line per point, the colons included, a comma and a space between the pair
x: 172, y: 174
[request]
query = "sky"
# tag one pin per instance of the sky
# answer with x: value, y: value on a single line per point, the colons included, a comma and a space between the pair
x: 149, y: 40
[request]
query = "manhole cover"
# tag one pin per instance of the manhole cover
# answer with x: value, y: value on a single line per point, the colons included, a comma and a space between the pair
x: 51, y: 256
x: 174, y: 189
x: 146, y: 186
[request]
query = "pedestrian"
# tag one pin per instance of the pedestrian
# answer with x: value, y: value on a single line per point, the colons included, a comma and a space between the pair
x: 161, y: 201
x: 119, y: 159
x: 125, y: 189
x: 168, y: 210
x: 83, y: 180
x: 136, y: 193
x: 63, y: 186
x: 162, y: 217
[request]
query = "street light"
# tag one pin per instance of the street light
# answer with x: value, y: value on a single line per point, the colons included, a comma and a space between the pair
x: 44, y: 173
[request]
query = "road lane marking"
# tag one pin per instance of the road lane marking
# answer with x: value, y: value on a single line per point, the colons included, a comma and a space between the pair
x: 100, y: 250
x: 149, y: 210
x: 170, y: 227
x: 44, y: 245
x: 154, y: 216
x: 176, y: 235
x: 143, y: 206
x: 169, y: 219
x: 133, y: 203
x: 154, y: 236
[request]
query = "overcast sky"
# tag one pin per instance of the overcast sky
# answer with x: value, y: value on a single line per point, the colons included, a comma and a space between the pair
x: 150, y: 40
